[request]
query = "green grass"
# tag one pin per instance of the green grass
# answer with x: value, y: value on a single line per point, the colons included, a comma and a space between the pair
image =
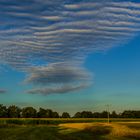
x: 55, y: 133
x: 49, y: 133
x: 55, y: 121
x: 52, y: 131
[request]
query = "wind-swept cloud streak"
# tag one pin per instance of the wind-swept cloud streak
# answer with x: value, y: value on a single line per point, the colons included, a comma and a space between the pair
x: 38, y: 35
x: 57, y: 90
x: 2, y: 91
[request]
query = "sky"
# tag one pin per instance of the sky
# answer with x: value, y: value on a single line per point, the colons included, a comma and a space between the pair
x: 70, y: 55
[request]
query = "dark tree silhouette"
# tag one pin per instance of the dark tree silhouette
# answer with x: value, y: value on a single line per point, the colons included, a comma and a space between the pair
x: 13, y: 111
x: 55, y: 115
x: 29, y: 112
x: 77, y: 115
x: 3, y: 111
x: 65, y: 115
x: 114, y: 114
x: 104, y: 114
x: 96, y: 115
x: 49, y: 113
x: 86, y: 114
x: 42, y: 113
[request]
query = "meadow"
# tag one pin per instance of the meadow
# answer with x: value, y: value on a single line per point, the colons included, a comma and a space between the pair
x: 69, y: 129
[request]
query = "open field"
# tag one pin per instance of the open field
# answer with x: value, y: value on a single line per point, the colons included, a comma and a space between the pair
x: 56, y: 121
x: 69, y: 129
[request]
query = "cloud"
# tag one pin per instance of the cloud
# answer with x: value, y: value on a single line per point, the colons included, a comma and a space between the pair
x: 68, y: 31
x: 58, y: 73
x: 2, y: 91
x: 38, y: 35
x: 55, y: 90
x: 58, y: 78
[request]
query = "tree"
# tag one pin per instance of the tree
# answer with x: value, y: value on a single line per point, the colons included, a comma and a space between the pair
x: 65, y: 115
x: 49, y: 113
x: 77, y: 115
x: 114, y: 114
x: 13, y: 111
x: 55, y: 115
x: 137, y: 114
x: 42, y: 113
x: 96, y: 115
x: 104, y: 114
x: 29, y: 112
x: 86, y: 114
x: 128, y: 114
x: 3, y: 111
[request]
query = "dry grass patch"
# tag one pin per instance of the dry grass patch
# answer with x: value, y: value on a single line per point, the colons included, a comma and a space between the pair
x: 119, y: 130
x: 112, y: 130
x: 79, y: 126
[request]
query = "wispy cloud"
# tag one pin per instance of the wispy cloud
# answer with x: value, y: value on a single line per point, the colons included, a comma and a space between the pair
x: 37, y: 35
x: 2, y: 91
x: 57, y: 90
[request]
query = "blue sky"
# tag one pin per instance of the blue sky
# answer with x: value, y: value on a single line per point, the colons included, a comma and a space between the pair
x: 70, y: 55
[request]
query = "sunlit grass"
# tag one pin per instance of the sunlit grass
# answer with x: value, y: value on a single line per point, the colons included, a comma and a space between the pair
x: 108, y: 131
x: 65, y: 130
x: 121, y: 130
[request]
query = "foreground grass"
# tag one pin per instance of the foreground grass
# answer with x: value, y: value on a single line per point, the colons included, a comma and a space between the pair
x: 55, y: 121
x: 112, y: 131
x: 71, y: 131
x: 44, y: 133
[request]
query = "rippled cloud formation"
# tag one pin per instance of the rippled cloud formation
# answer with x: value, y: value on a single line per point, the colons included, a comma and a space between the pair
x: 50, y: 39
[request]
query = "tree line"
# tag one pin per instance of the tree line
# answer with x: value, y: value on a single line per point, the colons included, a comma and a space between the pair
x: 30, y: 112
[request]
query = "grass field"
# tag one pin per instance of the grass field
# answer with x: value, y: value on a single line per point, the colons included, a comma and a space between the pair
x: 70, y: 129
x: 34, y: 121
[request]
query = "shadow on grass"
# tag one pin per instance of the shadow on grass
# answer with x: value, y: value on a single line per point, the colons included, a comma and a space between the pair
x: 133, y: 125
x: 51, y: 133
x: 90, y: 133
